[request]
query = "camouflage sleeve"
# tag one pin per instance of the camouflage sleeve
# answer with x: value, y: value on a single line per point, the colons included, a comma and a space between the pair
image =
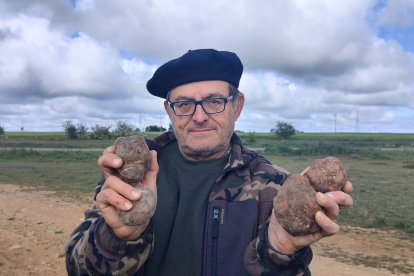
x: 93, y: 249
x: 262, y: 259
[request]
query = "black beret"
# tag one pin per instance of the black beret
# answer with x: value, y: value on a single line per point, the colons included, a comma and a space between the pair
x: 193, y: 66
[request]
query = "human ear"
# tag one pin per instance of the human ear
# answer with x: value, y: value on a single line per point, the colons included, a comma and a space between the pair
x: 239, y: 106
x: 168, y: 109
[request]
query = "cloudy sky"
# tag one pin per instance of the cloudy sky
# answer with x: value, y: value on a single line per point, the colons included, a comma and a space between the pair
x: 317, y: 64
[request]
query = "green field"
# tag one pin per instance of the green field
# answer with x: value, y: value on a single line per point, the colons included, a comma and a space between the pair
x: 380, y: 166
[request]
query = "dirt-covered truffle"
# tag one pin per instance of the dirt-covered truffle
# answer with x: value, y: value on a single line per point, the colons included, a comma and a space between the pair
x: 136, y: 159
x: 142, y: 209
x: 295, y: 206
x: 327, y: 175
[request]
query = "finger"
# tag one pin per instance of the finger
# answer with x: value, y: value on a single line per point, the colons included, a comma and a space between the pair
x: 305, y: 170
x: 284, y: 242
x: 279, y: 238
x: 348, y: 188
x: 112, y: 219
x: 343, y: 199
x: 328, y: 226
x: 110, y: 149
x: 328, y: 203
x: 122, y: 188
x: 108, y: 162
x: 109, y: 198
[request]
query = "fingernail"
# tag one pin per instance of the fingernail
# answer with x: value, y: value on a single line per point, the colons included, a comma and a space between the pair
x: 330, y: 195
x: 134, y: 194
x: 116, y: 161
x: 319, y: 215
x: 128, y: 205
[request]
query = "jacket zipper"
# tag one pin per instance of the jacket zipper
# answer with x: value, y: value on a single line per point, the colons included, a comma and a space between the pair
x: 214, y: 237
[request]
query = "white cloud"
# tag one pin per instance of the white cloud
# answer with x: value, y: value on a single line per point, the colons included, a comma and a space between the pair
x: 305, y: 61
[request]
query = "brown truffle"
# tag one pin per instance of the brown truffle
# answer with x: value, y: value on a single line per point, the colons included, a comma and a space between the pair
x: 327, y: 175
x: 136, y: 159
x: 142, y: 209
x: 295, y: 206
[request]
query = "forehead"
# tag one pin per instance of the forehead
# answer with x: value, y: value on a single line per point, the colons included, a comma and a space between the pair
x: 200, y: 89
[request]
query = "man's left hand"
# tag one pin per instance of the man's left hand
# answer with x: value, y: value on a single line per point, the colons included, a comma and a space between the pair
x: 331, y: 202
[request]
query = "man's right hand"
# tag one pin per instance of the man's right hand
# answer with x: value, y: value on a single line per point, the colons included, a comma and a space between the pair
x: 116, y: 194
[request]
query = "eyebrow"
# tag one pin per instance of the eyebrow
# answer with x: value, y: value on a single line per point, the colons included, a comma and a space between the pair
x: 209, y: 96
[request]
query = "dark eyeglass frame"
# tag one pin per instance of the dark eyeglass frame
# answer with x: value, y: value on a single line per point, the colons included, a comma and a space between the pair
x: 196, y: 103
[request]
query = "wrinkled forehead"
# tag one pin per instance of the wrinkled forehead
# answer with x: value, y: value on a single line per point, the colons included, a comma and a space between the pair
x: 200, y: 90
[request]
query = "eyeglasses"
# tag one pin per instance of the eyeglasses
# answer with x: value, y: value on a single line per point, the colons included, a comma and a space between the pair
x: 210, y: 106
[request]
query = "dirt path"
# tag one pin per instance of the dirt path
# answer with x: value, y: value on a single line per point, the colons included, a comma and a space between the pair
x: 35, y: 225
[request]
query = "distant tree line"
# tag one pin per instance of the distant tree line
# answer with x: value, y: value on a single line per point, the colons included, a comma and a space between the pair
x: 283, y: 130
x: 99, y: 132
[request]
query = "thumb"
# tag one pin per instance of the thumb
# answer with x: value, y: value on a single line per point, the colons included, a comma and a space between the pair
x: 305, y: 170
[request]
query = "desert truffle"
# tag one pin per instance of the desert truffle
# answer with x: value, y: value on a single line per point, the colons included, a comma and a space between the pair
x: 327, y: 175
x: 136, y: 160
x: 295, y: 206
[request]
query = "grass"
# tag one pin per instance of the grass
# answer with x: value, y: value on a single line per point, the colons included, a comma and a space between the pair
x: 382, y: 189
x: 73, y: 171
x: 55, y: 140
x: 392, y: 140
x: 382, y: 179
x: 382, y: 192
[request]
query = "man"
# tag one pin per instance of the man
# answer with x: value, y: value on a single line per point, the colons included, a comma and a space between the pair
x: 214, y: 209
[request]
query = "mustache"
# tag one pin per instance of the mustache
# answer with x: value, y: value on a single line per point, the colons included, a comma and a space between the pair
x: 201, y: 126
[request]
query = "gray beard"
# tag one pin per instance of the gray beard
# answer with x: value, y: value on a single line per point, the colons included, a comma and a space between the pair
x: 204, y: 154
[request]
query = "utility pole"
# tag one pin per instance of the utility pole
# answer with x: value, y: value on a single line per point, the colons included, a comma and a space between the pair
x: 357, y: 123
x: 335, y: 122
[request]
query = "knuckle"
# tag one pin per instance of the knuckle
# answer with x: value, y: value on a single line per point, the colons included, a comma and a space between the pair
x: 111, y: 181
x: 112, y: 198
x: 100, y: 161
x: 334, y: 228
x: 99, y: 197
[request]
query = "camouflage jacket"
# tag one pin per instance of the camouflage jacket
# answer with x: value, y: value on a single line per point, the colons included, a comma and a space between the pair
x: 235, y: 239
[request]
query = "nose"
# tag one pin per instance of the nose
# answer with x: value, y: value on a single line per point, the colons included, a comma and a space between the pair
x: 199, y: 115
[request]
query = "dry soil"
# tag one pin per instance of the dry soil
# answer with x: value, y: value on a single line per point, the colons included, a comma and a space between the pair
x: 35, y: 225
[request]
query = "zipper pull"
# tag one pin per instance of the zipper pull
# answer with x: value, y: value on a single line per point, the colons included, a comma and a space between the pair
x: 216, y: 223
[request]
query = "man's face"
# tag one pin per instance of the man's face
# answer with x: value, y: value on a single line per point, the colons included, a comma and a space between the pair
x: 204, y: 136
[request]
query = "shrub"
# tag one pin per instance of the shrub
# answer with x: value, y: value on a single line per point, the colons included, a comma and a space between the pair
x: 101, y: 132
x: 70, y: 130
x: 284, y: 130
x: 124, y: 129
x: 82, y: 131
x: 155, y: 128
